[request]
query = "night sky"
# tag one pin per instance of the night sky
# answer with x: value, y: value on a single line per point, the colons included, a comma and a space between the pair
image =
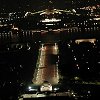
x: 29, y: 5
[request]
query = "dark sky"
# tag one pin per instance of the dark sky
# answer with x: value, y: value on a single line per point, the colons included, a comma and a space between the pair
x: 29, y: 5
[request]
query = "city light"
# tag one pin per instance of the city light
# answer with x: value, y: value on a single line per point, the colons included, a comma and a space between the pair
x: 49, y: 48
x: 51, y: 20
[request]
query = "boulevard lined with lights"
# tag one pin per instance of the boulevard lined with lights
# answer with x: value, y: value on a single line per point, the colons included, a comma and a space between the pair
x: 44, y: 67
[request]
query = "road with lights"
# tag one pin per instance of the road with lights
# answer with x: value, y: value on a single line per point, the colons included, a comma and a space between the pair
x: 46, y: 69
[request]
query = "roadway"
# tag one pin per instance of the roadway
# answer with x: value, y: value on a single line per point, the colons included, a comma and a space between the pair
x: 47, y: 65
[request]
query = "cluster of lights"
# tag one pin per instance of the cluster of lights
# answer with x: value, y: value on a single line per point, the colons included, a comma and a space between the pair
x: 47, y: 12
x: 51, y: 20
x: 41, y: 65
x: 85, y: 40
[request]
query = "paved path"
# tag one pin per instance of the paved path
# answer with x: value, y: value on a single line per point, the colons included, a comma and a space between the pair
x: 47, y: 69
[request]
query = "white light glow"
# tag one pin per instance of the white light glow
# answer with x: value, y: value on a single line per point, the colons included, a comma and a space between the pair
x: 29, y: 87
x: 51, y: 20
x: 96, y: 18
x: 49, y: 24
x: 85, y: 40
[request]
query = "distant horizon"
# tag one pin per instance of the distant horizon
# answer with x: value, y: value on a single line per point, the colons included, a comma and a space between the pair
x: 26, y: 5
